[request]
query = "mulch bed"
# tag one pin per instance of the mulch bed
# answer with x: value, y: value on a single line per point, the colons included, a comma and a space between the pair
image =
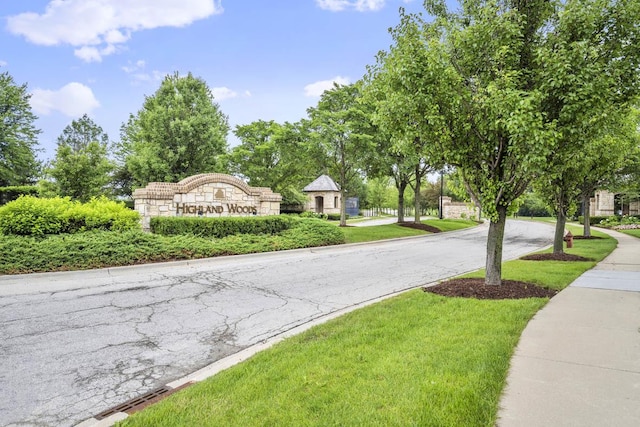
x: 475, y: 288
x: 555, y: 257
x: 586, y: 237
x: 420, y: 226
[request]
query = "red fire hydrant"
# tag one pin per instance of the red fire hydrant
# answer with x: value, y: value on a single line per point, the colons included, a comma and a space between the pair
x: 569, y: 239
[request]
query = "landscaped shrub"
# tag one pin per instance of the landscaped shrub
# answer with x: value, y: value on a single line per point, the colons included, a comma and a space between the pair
x: 95, y: 249
x: 101, y: 213
x: 593, y: 220
x: 32, y: 216
x: 8, y: 194
x: 335, y: 217
x: 309, y: 214
x: 623, y: 222
x: 220, y: 227
x: 314, y: 232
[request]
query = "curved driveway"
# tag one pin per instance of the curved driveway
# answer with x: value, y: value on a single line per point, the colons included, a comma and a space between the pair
x: 75, y: 344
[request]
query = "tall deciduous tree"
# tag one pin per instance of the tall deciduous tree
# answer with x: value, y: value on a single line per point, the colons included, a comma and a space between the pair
x: 405, y: 92
x: 588, y: 77
x: 341, y: 126
x: 277, y: 156
x: 81, y: 168
x: 18, y: 134
x: 494, y: 131
x: 180, y: 131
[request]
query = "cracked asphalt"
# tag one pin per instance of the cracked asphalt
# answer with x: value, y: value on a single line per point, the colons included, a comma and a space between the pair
x: 74, y: 344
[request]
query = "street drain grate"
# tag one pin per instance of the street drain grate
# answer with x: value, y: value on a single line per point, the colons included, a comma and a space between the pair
x: 138, y: 403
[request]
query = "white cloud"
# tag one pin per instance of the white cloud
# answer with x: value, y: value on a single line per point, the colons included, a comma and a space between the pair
x: 222, y: 93
x: 97, y: 27
x: 138, y: 73
x: 131, y: 67
x: 73, y: 100
x: 359, y: 5
x: 317, y: 88
x: 3, y: 63
x: 93, y: 54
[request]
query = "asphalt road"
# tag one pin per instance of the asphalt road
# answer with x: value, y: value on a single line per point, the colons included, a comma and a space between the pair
x: 75, y: 344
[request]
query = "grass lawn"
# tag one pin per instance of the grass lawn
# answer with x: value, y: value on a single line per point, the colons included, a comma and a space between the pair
x: 538, y: 218
x: 450, y: 224
x: 378, y: 232
x: 635, y: 233
x: 392, y: 231
x: 416, y: 359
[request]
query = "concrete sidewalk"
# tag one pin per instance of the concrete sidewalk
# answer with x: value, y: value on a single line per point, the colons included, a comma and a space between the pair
x: 578, y: 360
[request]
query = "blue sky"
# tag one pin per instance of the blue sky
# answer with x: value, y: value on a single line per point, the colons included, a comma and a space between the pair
x: 266, y: 60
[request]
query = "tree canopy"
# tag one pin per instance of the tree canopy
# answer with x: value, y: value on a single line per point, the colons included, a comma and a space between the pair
x: 180, y: 131
x: 18, y: 134
x: 504, y: 86
x: 342, y: 128
x: 81, y: 167
x: 278, y: 156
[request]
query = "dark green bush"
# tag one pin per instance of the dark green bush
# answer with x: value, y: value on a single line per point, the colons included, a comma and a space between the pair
x: 8, y: 194
x: 33, y: 216
x: 95, y: 249
x: 220, y: 227
x: 335, y: 217
x: 309, y: 214
x: 594, y: 220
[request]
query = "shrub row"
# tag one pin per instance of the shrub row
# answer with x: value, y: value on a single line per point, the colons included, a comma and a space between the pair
x: 96, y: 249
x: 330, y: 217
x: 611, y: 220
x: 32, y: 216
x: 220, y: 227
x: 593, y: 220
x: 8, y: 194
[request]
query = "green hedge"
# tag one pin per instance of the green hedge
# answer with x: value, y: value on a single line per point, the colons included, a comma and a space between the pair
x: 8, y: 194
x: 33, y: 216
x: 593, y: 220
x: 96, y: 249
x: 220, y: 227
x: 335, y: 217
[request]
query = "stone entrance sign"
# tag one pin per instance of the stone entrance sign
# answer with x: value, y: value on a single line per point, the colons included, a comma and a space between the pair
x: 207, y: 195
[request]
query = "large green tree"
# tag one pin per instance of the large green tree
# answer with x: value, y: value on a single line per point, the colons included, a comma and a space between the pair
x: 82, y: 168
x: 278, y: 156
x: 341, y: 126
x: 405, y: 94
x: 517, y: 103
x: 18, y: 134
x: 180, y: 131
x: 587, y: 74
x: 479, y: 73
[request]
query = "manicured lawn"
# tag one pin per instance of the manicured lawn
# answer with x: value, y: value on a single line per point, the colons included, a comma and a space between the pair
x: 378, y: 232
x: 557, y: 274
x: 450, y: 224
x: 392, y: 231
x: 635, y: 233
x: 416, y: 359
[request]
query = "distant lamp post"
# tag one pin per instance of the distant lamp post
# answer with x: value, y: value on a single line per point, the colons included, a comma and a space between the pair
x: 441, y: 192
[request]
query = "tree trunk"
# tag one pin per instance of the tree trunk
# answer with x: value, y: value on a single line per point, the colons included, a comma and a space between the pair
x: 416, y: 196
x: 558, y: 239
x: 495, y: 240
x: 402, y: 185
x: 343, y: 208
x: 586, y: 202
